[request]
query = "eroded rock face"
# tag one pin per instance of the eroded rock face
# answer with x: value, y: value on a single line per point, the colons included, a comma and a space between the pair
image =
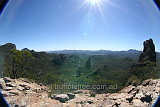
x: 148, y: 53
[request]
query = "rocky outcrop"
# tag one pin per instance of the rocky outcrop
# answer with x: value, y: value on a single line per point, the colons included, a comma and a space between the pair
x: 25, y: 49
x: 62, y: 97
x: 2, y: 84
x: 148, y: 53
x: 143, y: 95
x: 145, y: 68
x: 7, y: 47
x: 22, y: 92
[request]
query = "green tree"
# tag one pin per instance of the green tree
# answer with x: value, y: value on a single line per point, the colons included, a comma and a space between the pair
x: 19, y: 61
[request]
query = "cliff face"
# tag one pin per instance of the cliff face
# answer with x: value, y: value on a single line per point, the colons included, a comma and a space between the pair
x: 22, y: 92
x: 148, y: 53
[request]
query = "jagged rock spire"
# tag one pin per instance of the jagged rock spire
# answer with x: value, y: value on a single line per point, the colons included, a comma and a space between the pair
x: 148, y: 53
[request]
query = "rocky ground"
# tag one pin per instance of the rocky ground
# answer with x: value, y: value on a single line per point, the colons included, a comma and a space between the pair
x: 21, y: 92
x: 24, y: 93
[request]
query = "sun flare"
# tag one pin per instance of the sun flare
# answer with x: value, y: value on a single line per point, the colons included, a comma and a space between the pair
x: 94, y: 2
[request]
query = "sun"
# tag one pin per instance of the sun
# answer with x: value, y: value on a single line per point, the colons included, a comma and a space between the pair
x: 94, y: 2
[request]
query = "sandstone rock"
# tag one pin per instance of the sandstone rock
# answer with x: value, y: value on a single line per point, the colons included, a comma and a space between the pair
x: 106, y: 103
x: 89, y: 105
x: 53, y: 96
x: 134, y: 92
x: 25, y: 80
x: 25, y: 86
x: 123, y: 104
x: 70, y: 105
x: 148, y: 53
x: 8, y: 88
x: 39, y: 90
x: 81, y: 99
x: 14, y: 92
x: 157, y: 89
x: 45, y: 103
x: 7, y: 79
x: 153, y: 82
x: 62, y: 98
x: 90, y: 101
x: 138, y: 103
x: 124, y: 96
x: 2, y: 84
x: 146, y: 82
x: 20, y: 88
x: 10, y: 84
x: 139, y: 95
x: 127, y: 89
x: 146, y: 59
x: 71, y: 95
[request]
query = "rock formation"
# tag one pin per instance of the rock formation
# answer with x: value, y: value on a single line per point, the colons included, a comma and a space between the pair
x: 7, y: 47
x: 22, y: 92
x: 25, y: 49
x: 147, y: 59
x: 143, y: 95
x: 148, y: 53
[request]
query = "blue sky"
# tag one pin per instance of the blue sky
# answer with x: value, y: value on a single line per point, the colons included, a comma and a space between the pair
x: 45, y: 25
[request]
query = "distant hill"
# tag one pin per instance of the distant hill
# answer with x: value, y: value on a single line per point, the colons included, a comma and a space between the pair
x: 130, y: 53
x: 93, y: 51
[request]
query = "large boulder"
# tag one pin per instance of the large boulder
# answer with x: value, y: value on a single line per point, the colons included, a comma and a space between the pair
x: 139, y: 103
x: 8, y: 79
x: 2, y: 84
x: 128, y: 89
x: 148, y: 53
x: 122, y: 96
x: 71, y: 95
x: 62, y: 97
